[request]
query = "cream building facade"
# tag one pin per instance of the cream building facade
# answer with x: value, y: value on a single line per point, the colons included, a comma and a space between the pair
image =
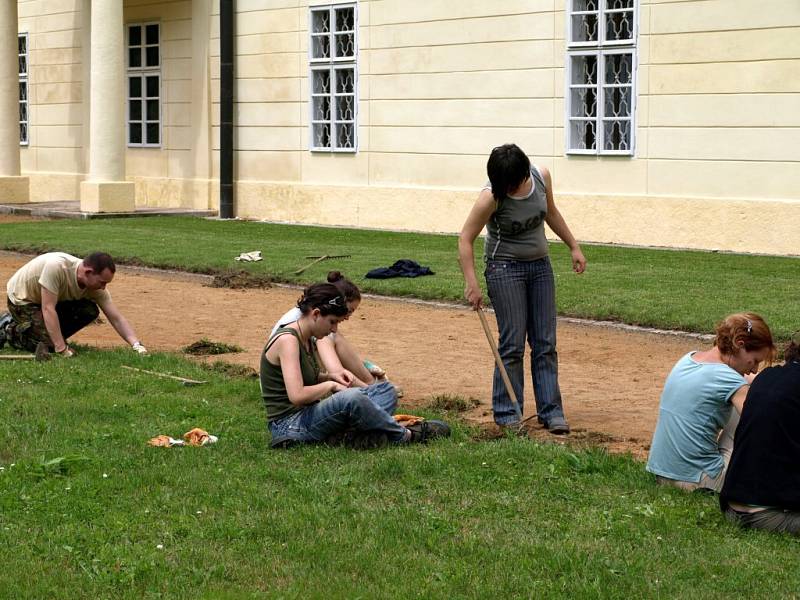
x: 664, y: 122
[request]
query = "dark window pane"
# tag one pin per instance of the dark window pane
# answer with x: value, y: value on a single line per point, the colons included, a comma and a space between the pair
x: 152, y: 110
x: 134, y: 57
x: 23, y: 132
x: 152, y: 87
x: 151, y: 37
x: 152, y: 56
x: 152, y: 133
x: 134, y: 133
x: 23, y: 90
x: 134, y: 87
x: 135, y: 35
x: 23, y: 65
x: 22, y: 44
x: 135, y: 110
x: 23, y: 111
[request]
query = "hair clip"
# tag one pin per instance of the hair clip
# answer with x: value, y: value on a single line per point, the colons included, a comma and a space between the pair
x: 749, y: 326
x: 335, y: 301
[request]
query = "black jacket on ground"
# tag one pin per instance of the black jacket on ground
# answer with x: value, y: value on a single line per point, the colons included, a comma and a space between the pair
x: 765, y: 466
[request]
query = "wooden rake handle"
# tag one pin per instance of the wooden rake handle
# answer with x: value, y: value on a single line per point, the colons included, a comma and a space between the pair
x: 499, y: 362
x: 311, y: 264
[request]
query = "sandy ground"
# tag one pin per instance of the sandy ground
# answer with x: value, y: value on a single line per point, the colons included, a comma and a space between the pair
x: 610, y: 378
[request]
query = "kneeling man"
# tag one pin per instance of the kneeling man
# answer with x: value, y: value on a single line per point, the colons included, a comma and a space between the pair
x: 54, y: 296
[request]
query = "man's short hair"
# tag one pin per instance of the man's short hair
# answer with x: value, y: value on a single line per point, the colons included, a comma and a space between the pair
x: 99, y: 262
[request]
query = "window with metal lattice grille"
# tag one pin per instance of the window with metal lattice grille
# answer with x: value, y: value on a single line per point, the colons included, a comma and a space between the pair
x: 332, y: 53
x: 601, y: 76
x: 24, y: 119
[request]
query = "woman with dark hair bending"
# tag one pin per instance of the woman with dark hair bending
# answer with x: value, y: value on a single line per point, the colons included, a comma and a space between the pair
x: 701, y: 402
x: 762, y: 486
x: 305, y: 407
x: 514, y: 206
x: 338, y: 355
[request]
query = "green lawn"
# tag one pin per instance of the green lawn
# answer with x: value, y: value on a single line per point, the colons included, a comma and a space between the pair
x: 661, y: 288
x: 88, y: 510
x: 458, y: 518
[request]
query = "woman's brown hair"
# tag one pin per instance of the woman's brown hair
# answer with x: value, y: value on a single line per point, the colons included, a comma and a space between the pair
x: 744, y: 330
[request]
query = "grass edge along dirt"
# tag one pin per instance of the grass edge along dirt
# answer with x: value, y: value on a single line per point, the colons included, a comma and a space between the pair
x: 92, y: 511
x: 669, y: 289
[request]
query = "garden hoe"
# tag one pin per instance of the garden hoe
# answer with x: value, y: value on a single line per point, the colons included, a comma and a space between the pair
x: 499, y: 362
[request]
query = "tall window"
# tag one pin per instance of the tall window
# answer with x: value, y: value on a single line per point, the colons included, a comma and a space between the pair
x: 144, y: 84
x: 332, y: 51
x: 601, y: 69
x: 22, y: 45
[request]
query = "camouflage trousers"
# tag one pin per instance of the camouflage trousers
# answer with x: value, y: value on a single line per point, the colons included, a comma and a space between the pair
x: 28, y: 329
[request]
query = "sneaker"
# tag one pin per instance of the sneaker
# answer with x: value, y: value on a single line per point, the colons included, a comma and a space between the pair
x: 557, y: 426
x: 427, y: 430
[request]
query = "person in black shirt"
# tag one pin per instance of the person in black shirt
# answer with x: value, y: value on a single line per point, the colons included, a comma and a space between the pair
x: 762, y: 486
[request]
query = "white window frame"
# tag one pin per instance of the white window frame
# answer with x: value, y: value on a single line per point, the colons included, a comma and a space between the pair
x: 600, y: 48
x: 24, y: 133
x: 332, y: 64
x: 142, y: 72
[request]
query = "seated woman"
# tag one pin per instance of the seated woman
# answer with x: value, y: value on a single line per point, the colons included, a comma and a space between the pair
x: 305, y: 407
x: 336, y: 353
x: 762, y: 487
x: 693, y: 439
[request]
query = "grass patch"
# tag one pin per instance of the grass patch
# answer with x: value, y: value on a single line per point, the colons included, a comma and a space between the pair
x: 206, y: 347
x: 660, y: 288
x: 455, y: 518
x: 231, y: 369
x: 452, y: 403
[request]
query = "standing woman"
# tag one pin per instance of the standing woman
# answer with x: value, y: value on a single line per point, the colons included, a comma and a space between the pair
x: 514, y: 207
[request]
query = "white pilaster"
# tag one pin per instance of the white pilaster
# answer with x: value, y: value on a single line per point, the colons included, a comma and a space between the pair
x: 106, y: 190
x: 13, y: 187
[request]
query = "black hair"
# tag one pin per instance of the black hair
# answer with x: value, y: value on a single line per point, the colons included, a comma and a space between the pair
x: 347, y: 288
x: 324, y: 296
x: 99, y: 262
x: 792, y: 350
x: 508, y: 167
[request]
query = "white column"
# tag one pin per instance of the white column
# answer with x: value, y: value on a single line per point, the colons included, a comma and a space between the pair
x: 106, y: 190
x: 13, y: 187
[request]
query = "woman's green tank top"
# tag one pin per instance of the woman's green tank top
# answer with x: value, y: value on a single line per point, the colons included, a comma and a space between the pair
x: 273, y: 387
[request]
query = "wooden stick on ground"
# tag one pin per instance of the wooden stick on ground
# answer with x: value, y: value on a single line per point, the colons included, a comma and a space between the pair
x: 183, y: 380
x: 17, y: 356
x: 311, y: 264
x: 499, y: 362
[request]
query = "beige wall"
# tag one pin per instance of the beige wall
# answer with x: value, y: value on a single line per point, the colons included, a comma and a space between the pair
x: 440, y: 84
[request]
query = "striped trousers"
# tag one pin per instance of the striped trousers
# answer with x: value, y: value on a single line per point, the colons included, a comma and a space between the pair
x: 523, y: 296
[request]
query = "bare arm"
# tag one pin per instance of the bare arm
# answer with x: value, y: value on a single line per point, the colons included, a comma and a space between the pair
x: 118, y: 322
x: 51, y: 322
x: 559, y: 225
x: 478, y: 217
x: 739, y: 397
x: 286, y: 352
x: 326, y: 348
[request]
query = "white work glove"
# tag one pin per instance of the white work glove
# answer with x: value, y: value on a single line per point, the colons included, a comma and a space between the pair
x: 139, y: 348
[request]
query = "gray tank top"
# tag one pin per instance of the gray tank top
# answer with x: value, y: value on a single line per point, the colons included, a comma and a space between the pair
x: 515, y: 230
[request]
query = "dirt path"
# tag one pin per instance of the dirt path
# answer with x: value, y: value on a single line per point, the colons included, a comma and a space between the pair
x: 610, y: 379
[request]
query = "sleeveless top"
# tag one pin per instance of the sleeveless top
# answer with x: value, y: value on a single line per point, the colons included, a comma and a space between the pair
x: 515, y: 230
x: 273, y: 387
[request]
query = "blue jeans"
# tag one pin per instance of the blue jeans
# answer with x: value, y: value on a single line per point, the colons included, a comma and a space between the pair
x: 523, y: 296
x: 360, y: 409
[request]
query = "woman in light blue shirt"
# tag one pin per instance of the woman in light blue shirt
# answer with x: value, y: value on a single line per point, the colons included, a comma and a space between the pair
x: 693, y: 439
